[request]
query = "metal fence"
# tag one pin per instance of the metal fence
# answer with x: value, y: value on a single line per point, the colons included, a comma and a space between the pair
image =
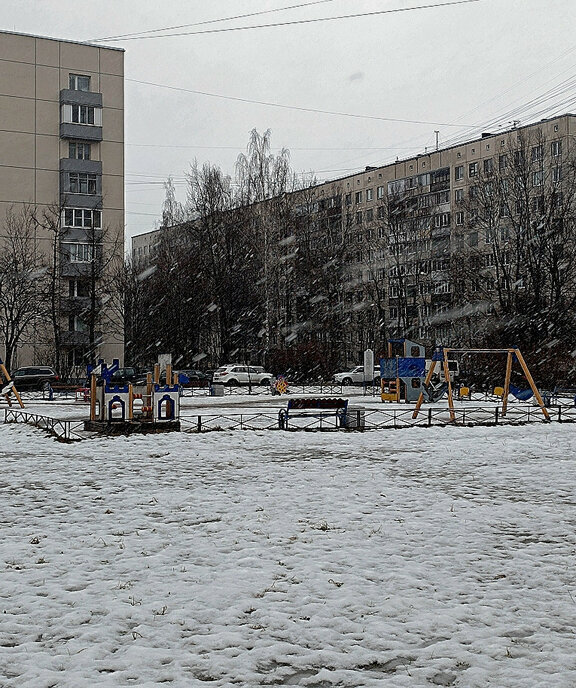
x: 65, y: 430
x: 357, y: 418
x: 266, y: 390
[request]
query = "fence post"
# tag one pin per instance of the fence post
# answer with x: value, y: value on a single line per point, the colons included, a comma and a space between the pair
x: 430, y: 417
x: 496, y: 416
x: 560, y: 414
x: 199, y: 424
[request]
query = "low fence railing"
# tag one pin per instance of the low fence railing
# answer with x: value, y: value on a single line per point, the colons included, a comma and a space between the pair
x: 358, y: 418
x: 67, y: 430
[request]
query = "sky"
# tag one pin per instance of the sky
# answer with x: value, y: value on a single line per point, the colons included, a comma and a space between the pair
x: 387, y: 83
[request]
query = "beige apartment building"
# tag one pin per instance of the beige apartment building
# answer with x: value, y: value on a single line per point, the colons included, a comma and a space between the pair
x: 442, y: 247
x: 435, y: 242
x: 62, y: 167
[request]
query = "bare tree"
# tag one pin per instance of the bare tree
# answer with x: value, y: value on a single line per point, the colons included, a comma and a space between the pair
x: 517, y: 249
x: 22, y: 280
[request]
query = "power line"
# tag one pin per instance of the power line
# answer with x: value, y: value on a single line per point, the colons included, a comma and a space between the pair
x: 289, y: 148
x: 296, y: 107
x: 298, y: 21
x: 211, y: 21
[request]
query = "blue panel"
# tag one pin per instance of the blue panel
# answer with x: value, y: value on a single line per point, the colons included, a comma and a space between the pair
x: 402, y: 367
x: 412, y: 367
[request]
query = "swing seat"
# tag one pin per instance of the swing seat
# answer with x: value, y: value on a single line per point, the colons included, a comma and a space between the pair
x: 521, y: 394
x: 436, y: 393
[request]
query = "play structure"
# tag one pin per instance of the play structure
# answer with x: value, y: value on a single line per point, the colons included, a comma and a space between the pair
x: 403, y: 371
x: 441, y: 358
x: 151, y: 407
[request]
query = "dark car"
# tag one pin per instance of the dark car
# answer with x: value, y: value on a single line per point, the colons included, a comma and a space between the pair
x: 124, y: 375
x: 192, y: 378
x: 34, y: 377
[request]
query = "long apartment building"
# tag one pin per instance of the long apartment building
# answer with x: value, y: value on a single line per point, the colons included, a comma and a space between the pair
x: 432, y: 240
x: 434, y: 245
x: 62, y: 164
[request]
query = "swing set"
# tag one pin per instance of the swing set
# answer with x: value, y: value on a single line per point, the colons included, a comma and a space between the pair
x: 441, y: 357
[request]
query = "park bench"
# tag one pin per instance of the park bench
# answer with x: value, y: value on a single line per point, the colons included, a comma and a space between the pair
x: 318, y: 407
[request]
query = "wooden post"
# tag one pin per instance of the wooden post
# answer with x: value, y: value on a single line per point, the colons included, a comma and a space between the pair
x: 7, y: 378
x: 156, y: 373
x: 148, y: 395
x: 532, y: 384
x: 447, y: 379
x: 426, y: 383
x: 507, y: 382
x: 168, y: 373
x: 130, y: 401
x: 93, y: 397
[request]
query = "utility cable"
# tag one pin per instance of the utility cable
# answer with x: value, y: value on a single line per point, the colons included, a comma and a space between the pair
x: 211, y: 21
x: 294, y: 107
x: 299, y: 21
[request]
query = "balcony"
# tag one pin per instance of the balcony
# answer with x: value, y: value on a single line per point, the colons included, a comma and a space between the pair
x: 70, y: 338
x: 75, y: 304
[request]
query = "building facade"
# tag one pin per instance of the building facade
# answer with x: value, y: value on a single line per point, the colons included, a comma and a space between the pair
x: 472, y: 244
x: 62, y: 175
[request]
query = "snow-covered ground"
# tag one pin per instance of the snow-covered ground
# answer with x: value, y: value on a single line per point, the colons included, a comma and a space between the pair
x: 440, y: 556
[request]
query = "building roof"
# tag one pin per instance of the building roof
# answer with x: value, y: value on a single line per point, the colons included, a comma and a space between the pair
x: 61, y: 40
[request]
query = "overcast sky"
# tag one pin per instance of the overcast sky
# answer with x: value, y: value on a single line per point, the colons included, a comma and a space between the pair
x: 478, y: 65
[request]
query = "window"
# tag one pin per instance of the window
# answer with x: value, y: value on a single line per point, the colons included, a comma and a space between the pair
x: 459, y: 172
x: 460, y: 217
x: 82, y: 183
x: 556, y: 148
x: 473, y: 191
x: 472, y: 169
x: 393, y: 312
x: 381, y: 212
x: 380, y: 192
x: 381, y: 232
x: 79, y: 82
x: 503, y: 161
x: 473, y: 239
x: 442, y: 220
x: 369, y: 194
x: 459, y: 195
x: 442, y: 288
x: 536, y: 153
x: 557, y: 174
x: 78, y: 288
x: 488, y: 166
x: 538, y: 204
x: 358, y: 197
x: 78, y: 150
x: 83, y: 217
x: 81, y: 253
x: 76, y: 324
x: 359, y: 217
x: 348, y: 199
x: 370, y: 215
x: 82, y: 114
x: 538, y: 178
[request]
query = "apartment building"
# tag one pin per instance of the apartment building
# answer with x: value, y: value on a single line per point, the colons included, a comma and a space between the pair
x: 432, y: 240
x: 442, y: 247
x: 62, y: 164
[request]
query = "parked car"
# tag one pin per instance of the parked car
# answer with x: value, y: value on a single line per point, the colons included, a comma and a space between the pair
x: 356, y: 376
x: 34, y: 377
x: 238, y: 374
x: 192, y: 378
x: 124, y: 375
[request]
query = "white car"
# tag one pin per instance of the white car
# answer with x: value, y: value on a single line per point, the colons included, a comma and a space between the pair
x: 239, y: 374
x: 356, y: 377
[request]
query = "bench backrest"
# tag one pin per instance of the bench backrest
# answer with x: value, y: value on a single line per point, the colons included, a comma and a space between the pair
x: 318, y: 403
